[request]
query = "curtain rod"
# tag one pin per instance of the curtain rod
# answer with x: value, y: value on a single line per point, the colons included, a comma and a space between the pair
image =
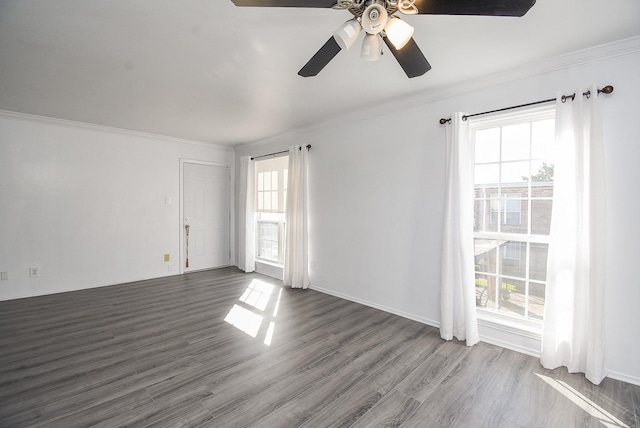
x: 606, y: 90
x: 277, y: 153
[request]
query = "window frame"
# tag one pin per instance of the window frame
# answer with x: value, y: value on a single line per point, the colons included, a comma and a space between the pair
x: 493, y: 317
x: 281, y: 236
x: 281, y: 186
x: 274, y: 216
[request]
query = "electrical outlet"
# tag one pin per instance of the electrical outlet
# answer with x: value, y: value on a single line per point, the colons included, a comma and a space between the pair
x: 4, y: 276
x: 170, y: 268
x: 34, y: 272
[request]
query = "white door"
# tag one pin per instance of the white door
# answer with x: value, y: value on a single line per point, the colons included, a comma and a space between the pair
x: 206, y: 212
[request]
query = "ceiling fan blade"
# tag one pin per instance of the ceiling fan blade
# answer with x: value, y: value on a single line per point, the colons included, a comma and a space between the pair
x: 410, y: 58
x: 324, y: 55
x: 474, y: 7
x: 285, y: 3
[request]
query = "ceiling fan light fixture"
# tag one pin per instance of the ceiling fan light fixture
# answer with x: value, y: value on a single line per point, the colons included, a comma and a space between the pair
x: 374, y: 18
x: 398, y: 32
x: 347, y: 34
x: 370, y: 48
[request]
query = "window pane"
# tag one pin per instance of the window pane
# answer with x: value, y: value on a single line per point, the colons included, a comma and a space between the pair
x: 513, y: 258
x: 274, y: 180
x: 487, y: 145
x: 260, y: 181
x: 513, y: 215
x: 487, y: 174
x: 267, y: 245
x: 483, y: 283
x: 542, y: 189
x: 285, y: 179
x: 260, y: 200
x: 485, y: 255
x: 484, y: 219
x: 542, y: 138
x: 541, y: 172
x: 541, y: 217
x: 267, y: 181
x: 515, y: 142
x: 513, y: 294
x: 536, y: 300
x: 267, y: 200
x: 516, y: 173
x: 538, y: 261
x: 274, y: 201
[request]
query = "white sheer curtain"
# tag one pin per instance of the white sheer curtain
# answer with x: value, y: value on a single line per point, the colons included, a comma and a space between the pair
x: 296, y: 269
x: 573, y: 331
x: 457, y: 291
x: 246, y: 215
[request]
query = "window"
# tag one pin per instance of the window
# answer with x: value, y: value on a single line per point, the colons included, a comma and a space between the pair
x: 509, y: 211
x: 512, y: 211
x: 270, y: 237
x: 271, y: 197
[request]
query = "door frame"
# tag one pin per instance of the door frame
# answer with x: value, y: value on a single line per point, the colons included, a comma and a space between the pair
x: 182, y: 257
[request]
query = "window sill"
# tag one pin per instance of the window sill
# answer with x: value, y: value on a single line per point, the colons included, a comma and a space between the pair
x: 270, y: 263
x: 269, y: 268
x: 508, y: 324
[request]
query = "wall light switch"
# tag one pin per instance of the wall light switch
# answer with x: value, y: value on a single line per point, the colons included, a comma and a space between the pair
x: 34, y: 272
x: 167, y: 257
x: 167, y: 200
x: 4, y: 276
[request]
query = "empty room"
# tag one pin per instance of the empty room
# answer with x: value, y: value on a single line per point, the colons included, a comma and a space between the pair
x: 319, y: 213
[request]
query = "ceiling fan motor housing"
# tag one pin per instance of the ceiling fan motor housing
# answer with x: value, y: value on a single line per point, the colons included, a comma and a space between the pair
x: 374, y: 18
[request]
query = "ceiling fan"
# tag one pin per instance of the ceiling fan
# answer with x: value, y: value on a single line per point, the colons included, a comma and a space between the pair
x: 377, y: 18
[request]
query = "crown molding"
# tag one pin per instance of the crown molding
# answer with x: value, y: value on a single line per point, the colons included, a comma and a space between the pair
x: 573, y: 59
x: 584, y: 56
x: 94, y: 127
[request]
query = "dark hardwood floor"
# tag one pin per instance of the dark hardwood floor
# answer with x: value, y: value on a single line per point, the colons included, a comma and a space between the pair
x: 222, y: 348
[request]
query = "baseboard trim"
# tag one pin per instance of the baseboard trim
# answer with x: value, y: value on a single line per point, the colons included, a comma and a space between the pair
x: 624, y: 378
x: 407, y: 315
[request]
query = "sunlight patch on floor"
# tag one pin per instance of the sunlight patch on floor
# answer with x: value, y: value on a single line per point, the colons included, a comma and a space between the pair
x: 249, y: 316
x: 277, y: 306
x: 244, y: 319
x: 257, y: 294
x: 606, y: 418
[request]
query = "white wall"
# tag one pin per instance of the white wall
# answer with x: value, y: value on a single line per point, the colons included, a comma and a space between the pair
x: 376, y: 197
x: 86, y: 204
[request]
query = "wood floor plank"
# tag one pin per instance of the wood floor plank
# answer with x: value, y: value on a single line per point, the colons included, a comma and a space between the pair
x: 175, y: 410
x: 425, y: 380
x: 255, y: 403
x: 391, y: 411
x: 457, y: 392
x: 164, y: 352
x: 318, y: 396
x: 346, y: 409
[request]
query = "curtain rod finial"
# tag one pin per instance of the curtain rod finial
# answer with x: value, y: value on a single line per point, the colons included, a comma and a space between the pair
x: 606, y: 90
x: 443, y: 121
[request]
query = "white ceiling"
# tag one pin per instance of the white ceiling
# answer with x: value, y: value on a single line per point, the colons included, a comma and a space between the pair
x: 206, y: 70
